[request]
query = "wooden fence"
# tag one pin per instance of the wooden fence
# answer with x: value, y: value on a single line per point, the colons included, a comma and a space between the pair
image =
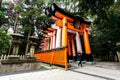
x: 56, y: 56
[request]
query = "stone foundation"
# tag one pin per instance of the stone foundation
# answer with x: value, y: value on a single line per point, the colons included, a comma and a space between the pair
x: 19, y: 67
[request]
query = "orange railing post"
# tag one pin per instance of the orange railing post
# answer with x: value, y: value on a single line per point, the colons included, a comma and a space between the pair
x: 66, y: 59
x: 52, y: 57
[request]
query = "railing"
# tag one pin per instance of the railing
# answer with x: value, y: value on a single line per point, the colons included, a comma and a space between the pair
x: 55, y: 56
x: 5, y: 57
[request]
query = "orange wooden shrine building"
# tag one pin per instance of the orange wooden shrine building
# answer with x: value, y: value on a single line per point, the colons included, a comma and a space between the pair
x: 63, y: 38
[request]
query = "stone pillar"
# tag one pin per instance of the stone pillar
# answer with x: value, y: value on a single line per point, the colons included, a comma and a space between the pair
x: 17, y: 39
x: 15, y: 49
x: 33, y: 43
x: 32, y: 50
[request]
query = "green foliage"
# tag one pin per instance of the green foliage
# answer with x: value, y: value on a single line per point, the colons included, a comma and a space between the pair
x: 4, y: 42
x: 32, y: 19
x: 3, y: 20
x: 31, y: 15
x: 25, y: 17
x: 105, y: 35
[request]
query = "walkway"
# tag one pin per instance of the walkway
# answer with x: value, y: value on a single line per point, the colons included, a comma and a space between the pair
x: 87, y: 72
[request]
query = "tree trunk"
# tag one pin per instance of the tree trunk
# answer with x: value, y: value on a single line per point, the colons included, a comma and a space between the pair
x: 10, y: 48
x: 0, y: 3
x: 27, y: 47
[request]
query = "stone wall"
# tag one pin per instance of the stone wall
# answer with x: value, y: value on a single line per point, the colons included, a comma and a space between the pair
x: 19, y: 67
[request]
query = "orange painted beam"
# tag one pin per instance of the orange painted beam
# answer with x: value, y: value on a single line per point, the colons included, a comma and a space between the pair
x: 69, y: 26
x: 51, y: 29
x: 61, y: 16
x: 55, y: 18
x: 47, y: 36
x: 47, y: 31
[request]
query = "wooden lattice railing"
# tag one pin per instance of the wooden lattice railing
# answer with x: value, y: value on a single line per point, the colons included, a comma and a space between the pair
x: 54, y: 56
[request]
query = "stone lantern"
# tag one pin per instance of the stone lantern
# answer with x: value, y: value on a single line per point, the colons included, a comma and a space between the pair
x: 17, y: 40
x: 33, y: 40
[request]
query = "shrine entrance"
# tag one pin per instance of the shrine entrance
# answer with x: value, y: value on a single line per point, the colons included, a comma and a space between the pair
x: 63, y: 39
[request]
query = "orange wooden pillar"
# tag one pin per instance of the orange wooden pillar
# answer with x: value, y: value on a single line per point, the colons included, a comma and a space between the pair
x: 64, y: 32
x: 64, y: 40
x: 73, y: 47
x: 69, y: 48
x: 86, y: 42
